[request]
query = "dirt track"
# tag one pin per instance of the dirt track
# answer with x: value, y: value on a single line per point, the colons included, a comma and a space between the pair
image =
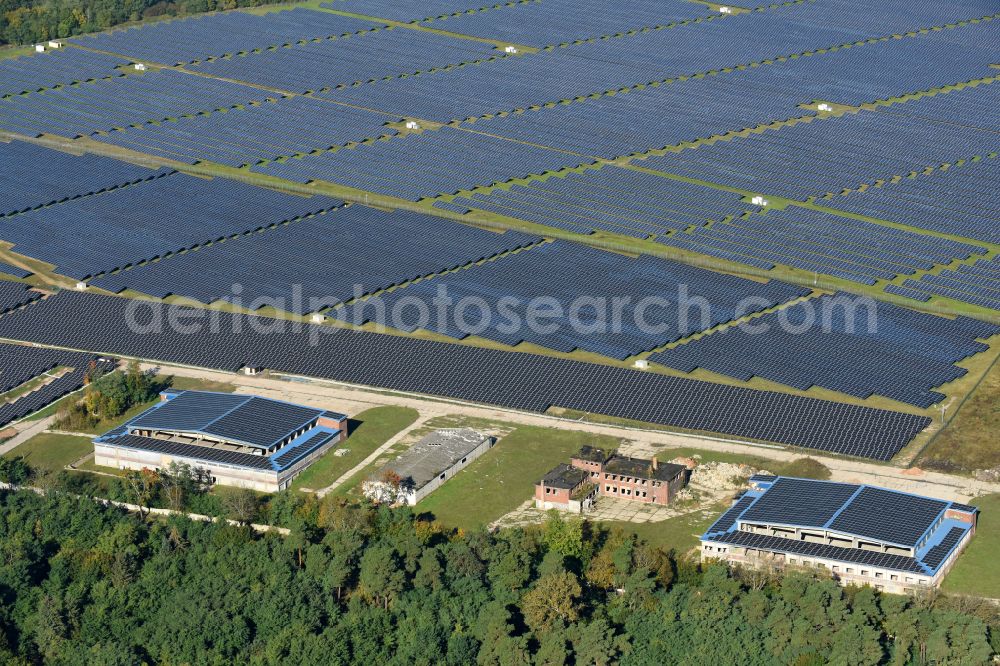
x: 351, y: 400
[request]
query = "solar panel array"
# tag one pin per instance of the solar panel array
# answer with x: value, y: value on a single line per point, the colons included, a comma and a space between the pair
x: 191, y: 410
x: 687, y: 300
x: 891, y: 351
x: 261, y: 422
x: 527, y: 21
x: 867, y: 512
x: 962, y: 201
x: 937, y: 554
x: 35, y: 177
x: 55, y: 68
x: 822, y: 550
x: 293, y: 454
x: 322, y: 66
x: 20, y: 364
x: 828, y: 156
x: 888, y: 516
x: 545, y: 22
x: 265, y: 131
x: 15, y: 294
x: 854, y: 250
x: 121, y: 102
x: 14, y: 271
x: 977, y: 284
x: 425, y: 165
x: 728, y: 519
x: 182, y: 450
x: 800, y: 502
x: 650, y: 75
x: 201, y: 37
x: 622, y: 201
x: 513, y: 380
x: 88, y: 236
x: 371, y: 250
x: 919, y: 62
x: 651, y: 118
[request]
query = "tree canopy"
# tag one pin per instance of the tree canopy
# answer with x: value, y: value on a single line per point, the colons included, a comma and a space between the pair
x: 84, y: 583
x: 28, y: 21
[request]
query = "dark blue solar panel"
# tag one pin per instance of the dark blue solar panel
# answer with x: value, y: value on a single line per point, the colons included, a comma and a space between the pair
x: 728, y: 519
x: 800, y: 502
x: 889, y: 516
x: 261, y: 422
x: 300, y: 451
x: 179, y: 449
x: 191, y: 410
x: 821, y: 550
x: 937, y: 554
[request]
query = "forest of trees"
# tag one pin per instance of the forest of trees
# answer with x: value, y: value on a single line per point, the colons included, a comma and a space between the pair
x: 109, y: 396
x: 82, y: 583
x: 29, y: 21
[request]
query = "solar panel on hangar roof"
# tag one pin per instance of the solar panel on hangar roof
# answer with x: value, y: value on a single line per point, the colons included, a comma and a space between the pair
x: 191, y: 410
x: 807, y: 548
x: 727, y: 519
x: 305, y: 448
x: 800, y: 502
x: 935, y: 556
x: 261, y: 422
x: 192, y: 451
x: 886, y: 515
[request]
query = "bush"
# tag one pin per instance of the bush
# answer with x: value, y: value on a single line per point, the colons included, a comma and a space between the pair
x: 806, y: 468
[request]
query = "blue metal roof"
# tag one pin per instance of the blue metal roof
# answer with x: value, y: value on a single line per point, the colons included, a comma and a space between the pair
x: 246, y: 419
x: 867, y: 512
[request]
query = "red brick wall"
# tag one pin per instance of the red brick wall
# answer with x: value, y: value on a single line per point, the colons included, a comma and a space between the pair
x: 560, y: 495
x: 960, y: 516
x: 340, y: 425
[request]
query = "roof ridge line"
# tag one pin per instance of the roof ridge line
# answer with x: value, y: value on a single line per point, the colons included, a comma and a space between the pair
x: 843, y: 506
x: 247, y: 398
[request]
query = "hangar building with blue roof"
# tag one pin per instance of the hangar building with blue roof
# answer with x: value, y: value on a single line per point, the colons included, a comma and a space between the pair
x: 860, y: 534
x: 239, y: 440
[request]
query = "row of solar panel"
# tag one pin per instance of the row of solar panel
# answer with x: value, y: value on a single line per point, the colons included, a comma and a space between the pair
x: 289, y: 268
x: 976, y: 284
x: 34, y: 176
x: 83, y: 109
x: 425, y: 165
x: 548, y: 22
x: 623, y: 201
x: 20, y: 364
x: 962, y: 200
x: 855, y: 346
x: 845, y: 75
x: 55, y: 68
x: 266, y: 131
x: 206, y: 36
x: 322, y: 66
x: 597, y: 301
x: 87, y: 236
x: 824, y: 243
x: 513, y: 380
x: 15, y: 294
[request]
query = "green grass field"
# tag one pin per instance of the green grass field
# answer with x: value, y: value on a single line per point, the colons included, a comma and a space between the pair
x: 970, y: 441
x: 375, y: 427
x: 504, y: 477
x: 51, y: 452
x: 680, y: 533
x: 976, y: 573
